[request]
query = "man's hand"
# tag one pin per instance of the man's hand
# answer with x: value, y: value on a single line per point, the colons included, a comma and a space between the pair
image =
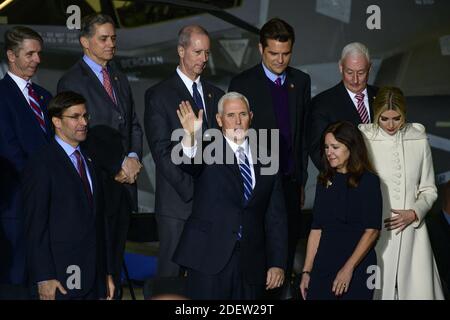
x: 275, y: 278
x: 121, y: 177
x: 190, y: 122
x: 47, y: 289
x: 110, y: 288
x: 131, y: 166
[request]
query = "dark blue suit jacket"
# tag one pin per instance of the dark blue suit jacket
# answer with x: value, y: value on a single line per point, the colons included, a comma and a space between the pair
x: 20, y: 136
x: 61, y: 228
x: 210, y: 233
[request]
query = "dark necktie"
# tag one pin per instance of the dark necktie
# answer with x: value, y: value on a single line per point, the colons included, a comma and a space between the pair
x: 199, y: 103
x: 107, y: 84
x: 82, y: 172
x: 362, y: 108
x: 278, y: 81
x: 35, y: 106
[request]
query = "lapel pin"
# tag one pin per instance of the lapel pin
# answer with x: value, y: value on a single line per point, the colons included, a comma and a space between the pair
x: 41, y: 97
x: 329, y: 183
x: 292, y: 86
x: 209, y: 95
x: 115, y: 78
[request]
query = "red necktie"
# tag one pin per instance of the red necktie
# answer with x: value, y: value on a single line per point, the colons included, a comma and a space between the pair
x: 35, y: 106
x: 82, y: 172
x: 362, y: 108
x: 107, y: 84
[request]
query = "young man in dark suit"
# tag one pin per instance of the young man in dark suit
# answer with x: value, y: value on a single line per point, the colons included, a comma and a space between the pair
x: 65, y: 228
x: 24, y: 127
x: 109, y: 101
x: 281, y: 95
x: 350, y: 100
x: 174, y: 188
x: 234, y: 244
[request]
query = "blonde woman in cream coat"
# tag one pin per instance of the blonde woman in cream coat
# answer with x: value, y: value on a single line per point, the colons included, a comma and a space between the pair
x: 401, y: 155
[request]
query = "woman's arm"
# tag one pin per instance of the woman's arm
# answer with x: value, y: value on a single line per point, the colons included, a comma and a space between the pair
x: 311, y: 250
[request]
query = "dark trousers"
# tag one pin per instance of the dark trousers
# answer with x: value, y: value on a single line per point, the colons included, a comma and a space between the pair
x: 228, y: 284
x: 169, y: 233
x: 14, y: 292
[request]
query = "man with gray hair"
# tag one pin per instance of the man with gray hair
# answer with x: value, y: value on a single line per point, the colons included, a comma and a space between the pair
x: 24, y: 128
x: 350, y: 100
x: 174, y: 188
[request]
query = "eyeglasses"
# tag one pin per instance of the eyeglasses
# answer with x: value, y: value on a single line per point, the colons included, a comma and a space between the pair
x: 78, y: 117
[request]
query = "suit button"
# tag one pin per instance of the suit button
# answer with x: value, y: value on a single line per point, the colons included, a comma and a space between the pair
x: 119, y: 117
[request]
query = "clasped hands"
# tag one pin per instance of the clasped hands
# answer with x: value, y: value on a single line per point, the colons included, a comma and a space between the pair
x: 129, y: 171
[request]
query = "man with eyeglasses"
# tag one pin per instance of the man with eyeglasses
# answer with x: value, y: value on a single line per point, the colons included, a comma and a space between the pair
x: 24, y: 128
x: 65, y: 226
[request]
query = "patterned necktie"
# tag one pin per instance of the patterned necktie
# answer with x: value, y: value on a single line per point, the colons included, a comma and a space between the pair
x: 244, y: 168
x: 107, y: 84
x: 82, y: 172
x: 35, y: 106
x: 362, y: 108
x: 278, y: 81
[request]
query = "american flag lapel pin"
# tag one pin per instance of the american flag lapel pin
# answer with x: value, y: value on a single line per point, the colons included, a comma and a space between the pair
x: 292, y: 86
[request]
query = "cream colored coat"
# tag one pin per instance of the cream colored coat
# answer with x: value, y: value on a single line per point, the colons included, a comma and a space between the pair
x: 404, y: 165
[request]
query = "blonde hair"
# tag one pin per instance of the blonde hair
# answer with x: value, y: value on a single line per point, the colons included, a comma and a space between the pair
x: 389, y: 98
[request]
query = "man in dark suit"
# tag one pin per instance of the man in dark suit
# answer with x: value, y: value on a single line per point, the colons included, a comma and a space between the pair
x: 24, y: 127
x: 281, y: 95
x: 234, y: 244
x: 174, y: 188
x: 109, y: 102
x: 65, y: 227
x: 438, y: 224
x: 350, y: 100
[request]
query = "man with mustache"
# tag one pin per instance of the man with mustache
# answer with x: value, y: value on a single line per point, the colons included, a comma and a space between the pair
x: 109, y: 101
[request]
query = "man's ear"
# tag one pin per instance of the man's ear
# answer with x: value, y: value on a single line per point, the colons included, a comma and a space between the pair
x: 261, y: 49
x: 341, y: 68
x: 11, y: 56
x: 84, y: 42
x: 56, y: 122
x: 219, y: 119
x: 180, y: 50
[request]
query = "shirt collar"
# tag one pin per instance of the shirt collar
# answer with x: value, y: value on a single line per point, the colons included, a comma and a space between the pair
x: 272, y: 76
x: 97, y: 68
x: 67, y: 147
x: 187, y: 81
x: 234, y: 146
x: 353, y: 95
x: 21, y: 83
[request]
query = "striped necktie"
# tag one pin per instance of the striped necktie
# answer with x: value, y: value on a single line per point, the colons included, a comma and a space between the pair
x: 35, y: 106
x: 107, y: 84
x: 362, y: 108
x: 244, y: 168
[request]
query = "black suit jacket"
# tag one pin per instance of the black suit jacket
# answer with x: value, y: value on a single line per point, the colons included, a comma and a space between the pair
x: 439, y: 232
x: 122, y: 117
x: 61, y: 228
x: 331, y: 106
x: 20, y: 137
x: 174, y: 188
x: 210, y: 233
x: 253, y: 84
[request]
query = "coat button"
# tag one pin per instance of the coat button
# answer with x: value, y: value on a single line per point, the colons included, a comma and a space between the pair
x: 397, y: 189
x: 396, y: 197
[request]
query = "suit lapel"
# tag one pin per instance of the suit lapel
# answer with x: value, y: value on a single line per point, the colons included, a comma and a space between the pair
x: 90, y: 168
x: 264, y: 118
x: 348, y: 104
x: 371, y: 94
x: 92, y: 79
x: 26, y: 111
x: 292, y: 97
x: 208, y: 96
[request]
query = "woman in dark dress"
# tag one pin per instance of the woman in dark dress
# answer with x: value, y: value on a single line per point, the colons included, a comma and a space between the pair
x: 340, y: 259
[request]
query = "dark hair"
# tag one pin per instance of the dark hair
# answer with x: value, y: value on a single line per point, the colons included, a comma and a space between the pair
x: 184, y: 35
x: 15, y: 36
x: 358, y: 162
x: 89, y: 22
x: 276, y: 29
x: 63, y: 101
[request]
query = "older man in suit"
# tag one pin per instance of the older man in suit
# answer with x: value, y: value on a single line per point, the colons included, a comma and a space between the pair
x: 234, y: 244
x: 109, y: 102
x: 24, y: 127
x: 281, y: 94
x: 174, y: 188
x: 350, y: 100
x: 66, y: 235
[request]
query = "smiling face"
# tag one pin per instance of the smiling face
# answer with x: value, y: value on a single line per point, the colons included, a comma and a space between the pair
x: 235, y: 120
x: 101, y: 47
x: 194, y: 56
x: 276, y: 55
x: 355, y: 72
x: 25, y: 61
x: 390, y: 121
x: 337, y: 153
x: 72, y: 126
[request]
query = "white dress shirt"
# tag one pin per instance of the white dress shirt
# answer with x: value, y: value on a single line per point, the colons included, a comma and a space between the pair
x: 355, y: 101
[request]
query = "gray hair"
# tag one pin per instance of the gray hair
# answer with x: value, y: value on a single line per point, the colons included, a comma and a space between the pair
x: 89, y: 22
x: 15, y: 36
x: 355, y: 48
x: 232, y: 95
x: 184, y: 35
